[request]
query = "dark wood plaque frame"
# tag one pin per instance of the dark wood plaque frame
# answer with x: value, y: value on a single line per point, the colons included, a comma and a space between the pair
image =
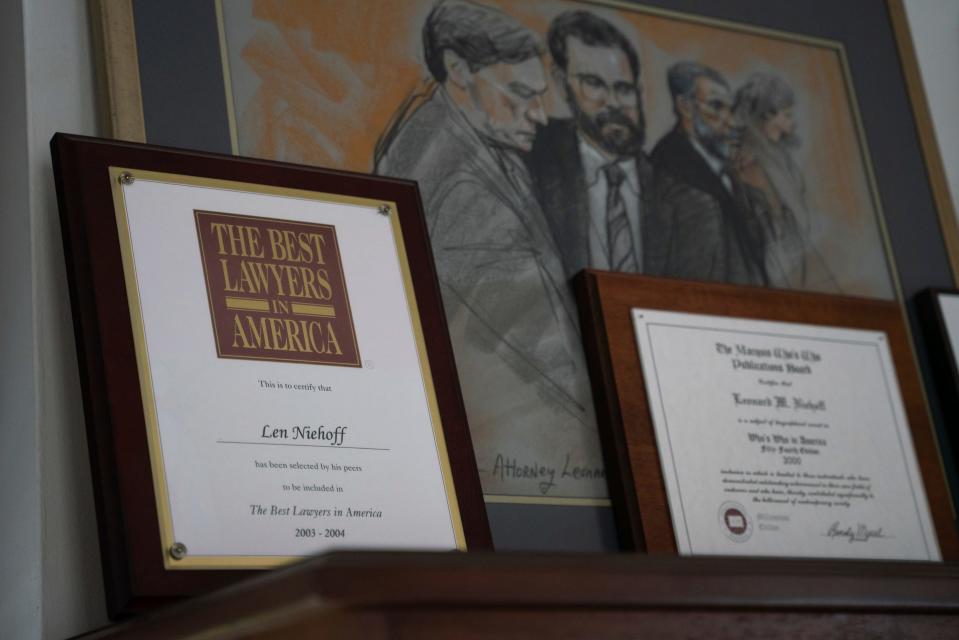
x: 634, y: 472
x: 127, y: 517
x: 377, y: 596
x: 942, y: 358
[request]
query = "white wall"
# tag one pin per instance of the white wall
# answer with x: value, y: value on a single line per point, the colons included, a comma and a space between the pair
x: 61, y: 90
x: 935, y: 33
x: 19, y: 469
x: 50, y: 577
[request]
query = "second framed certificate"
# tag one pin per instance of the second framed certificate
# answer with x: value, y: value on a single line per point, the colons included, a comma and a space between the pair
x: 267, y: 372
x: 752, y: 422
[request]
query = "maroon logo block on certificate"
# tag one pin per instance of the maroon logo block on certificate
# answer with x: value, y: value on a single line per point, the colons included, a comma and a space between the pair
x: 276, y: 290
x: 736, y: 525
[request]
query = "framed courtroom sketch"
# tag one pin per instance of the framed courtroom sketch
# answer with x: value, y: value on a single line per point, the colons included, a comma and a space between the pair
x: 265, y: 364
x: 808, y: 436
x: 771, y: 144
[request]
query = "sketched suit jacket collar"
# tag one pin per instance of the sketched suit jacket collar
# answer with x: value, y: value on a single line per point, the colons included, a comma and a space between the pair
x: 437, y: 147
x: 559, y: 181
x: 675, y: 153
x: 491, y: 240
x: 735, y: 254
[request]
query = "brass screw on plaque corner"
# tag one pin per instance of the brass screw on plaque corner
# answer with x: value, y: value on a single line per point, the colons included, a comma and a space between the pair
x: 178, y: 551
x: 385, y: 209
x: 126, y: 178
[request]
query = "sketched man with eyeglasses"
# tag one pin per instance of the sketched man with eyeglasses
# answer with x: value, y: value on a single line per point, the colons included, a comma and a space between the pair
x: 714, y: 231
x: 591, y: 175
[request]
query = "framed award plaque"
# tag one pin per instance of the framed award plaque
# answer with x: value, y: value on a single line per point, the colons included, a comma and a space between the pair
x: 748, y: 421
x: 266, y: 368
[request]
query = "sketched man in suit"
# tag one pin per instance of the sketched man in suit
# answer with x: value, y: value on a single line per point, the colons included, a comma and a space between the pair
x: 765, y: 104
x: 593, y: 179
x: 714, y: 230
x: 511, y: 315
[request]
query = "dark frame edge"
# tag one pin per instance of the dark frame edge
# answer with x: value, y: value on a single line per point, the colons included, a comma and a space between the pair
x: 118, y: 585
x: 609, y: 418
x: 942, y: 360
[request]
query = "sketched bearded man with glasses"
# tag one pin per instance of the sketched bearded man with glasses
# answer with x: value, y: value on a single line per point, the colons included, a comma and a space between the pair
x: 714, y: 229
x: 592, y: 177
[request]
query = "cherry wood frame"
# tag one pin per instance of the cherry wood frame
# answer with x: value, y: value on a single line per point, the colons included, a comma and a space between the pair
x: 129, y: 528
x: 634, y: 472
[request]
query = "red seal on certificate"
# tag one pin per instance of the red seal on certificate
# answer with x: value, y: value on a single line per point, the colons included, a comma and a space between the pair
x: 734, y: 522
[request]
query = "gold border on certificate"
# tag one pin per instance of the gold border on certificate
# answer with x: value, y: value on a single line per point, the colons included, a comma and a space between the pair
x: 164, y: 511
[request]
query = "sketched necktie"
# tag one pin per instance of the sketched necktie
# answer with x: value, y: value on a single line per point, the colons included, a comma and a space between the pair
x: 618, y: 235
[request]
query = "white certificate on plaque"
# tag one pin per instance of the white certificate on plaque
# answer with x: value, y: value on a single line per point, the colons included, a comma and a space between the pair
x: 286, y: 389
x: 782, y: 439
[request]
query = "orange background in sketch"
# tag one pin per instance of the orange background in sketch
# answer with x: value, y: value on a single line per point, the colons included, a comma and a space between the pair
x: 333, y: 74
